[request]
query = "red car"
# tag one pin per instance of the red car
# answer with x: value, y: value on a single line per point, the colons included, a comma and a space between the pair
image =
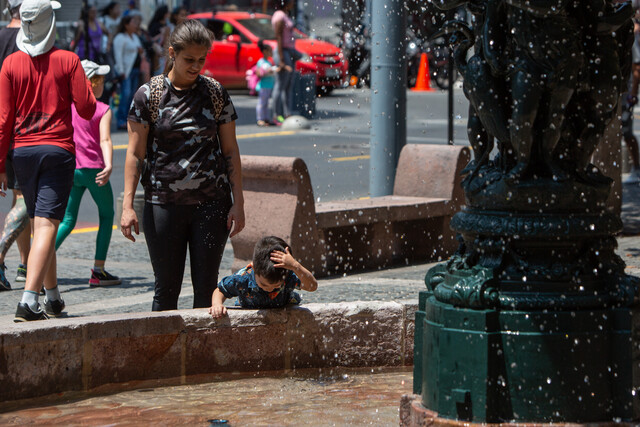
x: 236, y: 50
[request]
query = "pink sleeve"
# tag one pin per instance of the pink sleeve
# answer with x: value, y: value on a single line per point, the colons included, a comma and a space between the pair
x: 7, y: 115
x: 81, y: 92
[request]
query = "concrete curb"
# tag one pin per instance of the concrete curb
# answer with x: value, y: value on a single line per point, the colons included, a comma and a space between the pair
x: 83, y: 354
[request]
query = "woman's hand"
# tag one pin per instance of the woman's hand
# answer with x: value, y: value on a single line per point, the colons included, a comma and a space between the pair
x: 129, y: 219
x: 235, y: 218
x: 103, y: 176
x: 217, y: 311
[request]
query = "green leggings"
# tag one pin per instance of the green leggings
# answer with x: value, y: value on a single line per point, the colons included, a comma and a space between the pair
x: 103, y: 196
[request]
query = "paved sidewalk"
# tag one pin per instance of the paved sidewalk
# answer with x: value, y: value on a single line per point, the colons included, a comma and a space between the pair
x: 130, y: 261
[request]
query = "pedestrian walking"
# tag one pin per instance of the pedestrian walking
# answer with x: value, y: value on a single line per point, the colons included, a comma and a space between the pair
x: 38, y: 84
x: 630, y: 101
x: 94, y: 163
x: 265, y: 70
x: 159, y: 31
x: 127, y: 52
x: 92, y: 38
x: 285, y: 58
x: 16, y: 223
x: 182, y: 146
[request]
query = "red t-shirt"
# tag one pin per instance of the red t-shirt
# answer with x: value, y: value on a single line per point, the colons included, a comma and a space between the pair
x: 36, y: 94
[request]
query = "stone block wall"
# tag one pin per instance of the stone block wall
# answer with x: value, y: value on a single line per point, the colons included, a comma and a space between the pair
x: 84, y: 354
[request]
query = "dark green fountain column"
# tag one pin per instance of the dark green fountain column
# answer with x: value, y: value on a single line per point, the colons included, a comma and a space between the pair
x: 532, y: 319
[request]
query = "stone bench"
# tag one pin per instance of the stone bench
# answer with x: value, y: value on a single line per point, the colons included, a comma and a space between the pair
x: 347, y: 236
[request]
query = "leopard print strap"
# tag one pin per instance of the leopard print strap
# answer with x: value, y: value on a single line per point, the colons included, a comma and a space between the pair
x: 156, y: 86
x: 216, y: 94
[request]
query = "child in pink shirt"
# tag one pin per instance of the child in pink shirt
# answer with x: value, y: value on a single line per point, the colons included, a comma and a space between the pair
x: 94, y: 155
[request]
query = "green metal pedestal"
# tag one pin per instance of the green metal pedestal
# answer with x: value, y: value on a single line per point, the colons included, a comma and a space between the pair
x: 534, y: 366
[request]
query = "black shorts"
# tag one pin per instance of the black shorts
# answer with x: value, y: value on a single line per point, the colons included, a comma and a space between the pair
x: 45, y: 173
x: 12, y: 181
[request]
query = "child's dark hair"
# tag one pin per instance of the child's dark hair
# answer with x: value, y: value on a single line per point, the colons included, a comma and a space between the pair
x: 262, y: 45
x: 262, y: 264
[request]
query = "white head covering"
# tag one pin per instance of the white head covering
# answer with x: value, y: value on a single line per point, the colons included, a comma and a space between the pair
x: 38, y: 26
x: 92, y: 69
x: 12, y: 4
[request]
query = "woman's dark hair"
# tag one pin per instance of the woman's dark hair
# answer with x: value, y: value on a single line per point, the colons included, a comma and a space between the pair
x: 124, y: 21
x: 176, y: 11
x: 84, y: 12
x: 159, y: 14
x: 262, y: 264
x: 108, y: 8
x: 190, y: 32
x: 157, y: 20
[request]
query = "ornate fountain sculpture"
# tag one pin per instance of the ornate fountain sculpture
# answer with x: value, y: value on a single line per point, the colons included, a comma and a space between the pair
x: 531, y: 319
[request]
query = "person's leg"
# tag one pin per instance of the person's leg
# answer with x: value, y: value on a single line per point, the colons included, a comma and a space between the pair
x: 207, y: 238
x: 166, y: 234
x: 14, y: 225
x: 287, y: 80
x: 73, y: 206
x: 45, y: 174
x: 39, y: 266
x: 103, y: 197
x: 24, y: 239
x: 277, y: 94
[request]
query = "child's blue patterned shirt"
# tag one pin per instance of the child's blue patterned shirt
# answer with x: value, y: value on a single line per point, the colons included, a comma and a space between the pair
x: 243, y: 285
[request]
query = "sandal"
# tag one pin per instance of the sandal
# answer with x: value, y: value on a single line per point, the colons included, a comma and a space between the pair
x: 262, y: 123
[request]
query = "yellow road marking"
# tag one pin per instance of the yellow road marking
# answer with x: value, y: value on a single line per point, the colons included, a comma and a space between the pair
x: 88, y: 229
x: 350, y: 158
x: 244, y: 136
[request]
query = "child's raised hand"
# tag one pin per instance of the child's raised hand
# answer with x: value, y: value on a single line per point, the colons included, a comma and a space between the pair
x: 283, y: 259
x: 218, y: 311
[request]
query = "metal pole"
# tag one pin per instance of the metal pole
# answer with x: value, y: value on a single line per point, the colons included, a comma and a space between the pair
x: 388, y: 93
x: 450, y: 96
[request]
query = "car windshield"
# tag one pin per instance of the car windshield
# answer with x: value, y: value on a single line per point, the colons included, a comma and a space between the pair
x: 261, y: 27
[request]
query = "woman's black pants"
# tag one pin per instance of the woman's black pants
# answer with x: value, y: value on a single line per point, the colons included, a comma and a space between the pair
x: 168, y: 230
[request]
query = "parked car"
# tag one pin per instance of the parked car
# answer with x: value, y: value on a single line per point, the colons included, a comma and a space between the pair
x: 235, y: 50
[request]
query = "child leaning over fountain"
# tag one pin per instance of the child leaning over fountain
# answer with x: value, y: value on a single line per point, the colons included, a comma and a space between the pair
x: 268, y: 282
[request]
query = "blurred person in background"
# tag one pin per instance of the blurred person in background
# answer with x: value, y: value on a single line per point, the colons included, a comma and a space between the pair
x: 159, y: 31
x: 91, y: 39
x: 178, y: 16
x: 285, y: 58
x: 127, y: 52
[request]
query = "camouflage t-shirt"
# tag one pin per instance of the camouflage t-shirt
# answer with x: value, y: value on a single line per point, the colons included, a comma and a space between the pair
x: 184, y: 161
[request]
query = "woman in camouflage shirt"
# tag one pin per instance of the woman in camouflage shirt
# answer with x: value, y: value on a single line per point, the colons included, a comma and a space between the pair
x: 184, y: 124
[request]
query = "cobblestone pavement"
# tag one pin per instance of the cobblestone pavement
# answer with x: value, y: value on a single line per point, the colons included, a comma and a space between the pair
x: 130, y: 261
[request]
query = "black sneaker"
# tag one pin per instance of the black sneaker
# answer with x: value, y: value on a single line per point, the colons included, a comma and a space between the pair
x: 4, y: 283
x: 53, y: 308
x: 103, y: 278
x: 25, y: 314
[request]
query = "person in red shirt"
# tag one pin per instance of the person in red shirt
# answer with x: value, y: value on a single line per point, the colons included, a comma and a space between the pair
x: 38, y: 84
